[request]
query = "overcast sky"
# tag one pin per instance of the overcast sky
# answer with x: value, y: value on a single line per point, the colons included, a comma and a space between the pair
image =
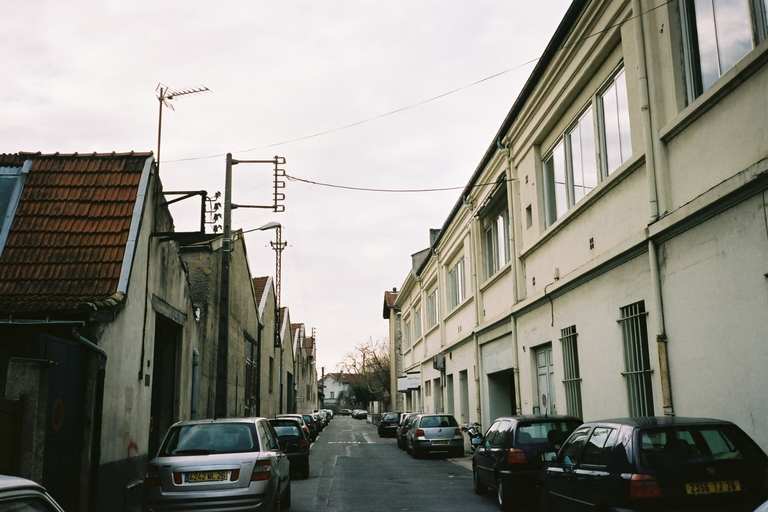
x: 400, y: 94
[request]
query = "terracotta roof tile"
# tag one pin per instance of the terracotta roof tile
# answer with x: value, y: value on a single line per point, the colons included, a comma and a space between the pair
x: 68, y: 238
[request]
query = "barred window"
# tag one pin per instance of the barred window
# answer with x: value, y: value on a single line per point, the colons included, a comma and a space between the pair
x: 637, y: 361
x: 571, y: 373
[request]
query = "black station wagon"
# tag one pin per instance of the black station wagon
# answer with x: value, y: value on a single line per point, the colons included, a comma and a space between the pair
x: 661, y: 463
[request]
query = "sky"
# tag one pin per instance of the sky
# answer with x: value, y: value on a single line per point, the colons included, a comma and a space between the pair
x: 378, y: 104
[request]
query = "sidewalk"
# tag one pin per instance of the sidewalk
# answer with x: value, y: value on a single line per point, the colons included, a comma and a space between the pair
x: 465, y: 461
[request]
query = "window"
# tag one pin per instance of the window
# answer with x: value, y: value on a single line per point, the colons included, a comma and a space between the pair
x: 407, y: 335
x: 271, y: 372
x: 432, y: 308
x: 11, y: 182
x: 637, y: 361
x: 570, y: 452
x: 571, y: 373
x: 417, y: 331
x: 456, y: 285
x: 593, y: 146
x: 597, y: 451
x: 427, y: 388
x: 716, y: 34
x: 332, y: 395
x: 496, y: 242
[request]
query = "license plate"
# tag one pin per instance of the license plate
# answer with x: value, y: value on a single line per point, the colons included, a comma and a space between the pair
x: 441, y: 442
x: 207, y: 476
x: 713, y: 487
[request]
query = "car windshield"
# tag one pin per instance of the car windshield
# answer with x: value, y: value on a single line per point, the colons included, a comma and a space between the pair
x: 210, y: 438
x: 438, y: 421
x: 391, y: 417
x: 695, y: 444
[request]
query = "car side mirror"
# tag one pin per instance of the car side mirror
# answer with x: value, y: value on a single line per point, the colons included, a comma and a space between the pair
x: 550, y: 457
x: 476, y: 441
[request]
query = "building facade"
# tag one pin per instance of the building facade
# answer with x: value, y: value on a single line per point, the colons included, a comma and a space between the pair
x: 608, y: 255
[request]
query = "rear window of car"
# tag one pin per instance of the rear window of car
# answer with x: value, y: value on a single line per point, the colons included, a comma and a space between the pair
x: 552, y: 432
x: 210, y: 438
x: 696, y: 444
x: 438, y: 421
x: 390, y: 417
x: 286, y: 430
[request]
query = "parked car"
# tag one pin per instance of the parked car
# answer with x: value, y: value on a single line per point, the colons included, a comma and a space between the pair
x: 21, y: 494
x: 300, y: 417
x: 388, y: 424
x: 232, y: 464
x: 508, y: 458
x: 402, y: 428
x: 360, y: 414
x: 345, y: 412
x: 662, y: 463
x: 435, y: 433
x: 294, y: 442
x: 314, y: 429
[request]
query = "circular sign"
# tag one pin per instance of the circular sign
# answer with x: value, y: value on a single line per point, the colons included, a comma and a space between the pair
x: 57, y: 414
x: 544, y: 401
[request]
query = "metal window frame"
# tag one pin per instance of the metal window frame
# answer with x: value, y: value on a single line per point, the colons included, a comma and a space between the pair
x: 571, y: 372
x: 637, y: 362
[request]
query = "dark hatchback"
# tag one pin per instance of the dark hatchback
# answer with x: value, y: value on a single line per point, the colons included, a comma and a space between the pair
x: 294, y: 442
x: 402, y: 428
x: 388, y: 424
x: 510, y: 455
x: 656, y: 463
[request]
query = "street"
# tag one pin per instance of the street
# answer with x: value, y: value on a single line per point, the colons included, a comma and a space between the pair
x: 352, y: 468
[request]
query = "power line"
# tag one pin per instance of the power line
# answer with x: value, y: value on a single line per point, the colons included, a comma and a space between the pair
x: 387, y: 190
x: 423, y: 102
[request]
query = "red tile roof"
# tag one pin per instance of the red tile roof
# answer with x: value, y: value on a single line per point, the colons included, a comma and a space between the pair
x: 66, y: 245
x: 389, y: 301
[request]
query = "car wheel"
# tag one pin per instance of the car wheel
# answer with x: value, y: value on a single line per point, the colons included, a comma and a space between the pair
x: 407, y: 449
x: 305, y: 472
x: 285, y: 502
x: 544, y: 501
x: 399, y: 443
x: 501, y: 496
x: 459, y: 453
x: 476, y: 484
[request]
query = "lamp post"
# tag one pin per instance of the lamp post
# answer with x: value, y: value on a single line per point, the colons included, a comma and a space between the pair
x: 278, y: 245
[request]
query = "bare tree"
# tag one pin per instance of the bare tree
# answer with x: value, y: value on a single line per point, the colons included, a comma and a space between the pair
x: 370, y: 362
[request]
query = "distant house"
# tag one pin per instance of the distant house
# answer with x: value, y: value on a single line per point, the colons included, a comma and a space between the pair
x: 96, y: 313
x: 305, y: 370
x: 336, y: 386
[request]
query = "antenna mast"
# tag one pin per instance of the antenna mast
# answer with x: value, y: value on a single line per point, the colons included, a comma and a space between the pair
x: 165, y: 95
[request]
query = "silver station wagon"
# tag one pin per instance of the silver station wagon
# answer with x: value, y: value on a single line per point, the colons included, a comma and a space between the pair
x: 219, y: 465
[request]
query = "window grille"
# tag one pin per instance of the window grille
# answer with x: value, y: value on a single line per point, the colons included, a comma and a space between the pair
x: 571, y: 373
x: 637, y: 361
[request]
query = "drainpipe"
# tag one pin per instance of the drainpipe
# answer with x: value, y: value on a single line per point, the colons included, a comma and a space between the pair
x: 195, y: 383
x: 657, y: 308
x: 98, y: 414
x: 514, y: 211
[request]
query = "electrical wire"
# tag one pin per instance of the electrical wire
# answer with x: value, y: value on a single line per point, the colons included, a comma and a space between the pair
x: 388, y: 190
x: 423, y: 102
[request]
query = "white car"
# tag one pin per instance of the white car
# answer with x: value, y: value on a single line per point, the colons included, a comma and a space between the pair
x: 22, y: 494
x: 233, y: 464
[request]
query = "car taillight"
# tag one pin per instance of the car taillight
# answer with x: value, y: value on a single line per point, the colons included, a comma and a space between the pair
x: 457, y: 432
x: 303, y: 446
x: 152, y: 476
x: 262, y: 470
x: 419, y: 432
x: 644, y: 486
x: 516, y: 456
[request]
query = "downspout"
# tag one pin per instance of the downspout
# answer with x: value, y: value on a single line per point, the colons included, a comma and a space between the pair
x: 656, y: 309
x: 513, y: 223
x: 98, y: 414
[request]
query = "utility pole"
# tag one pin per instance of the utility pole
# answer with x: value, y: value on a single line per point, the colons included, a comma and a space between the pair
x: 222, y: 352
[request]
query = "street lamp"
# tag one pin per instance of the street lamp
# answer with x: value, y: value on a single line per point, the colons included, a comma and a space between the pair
x: 278, y: 245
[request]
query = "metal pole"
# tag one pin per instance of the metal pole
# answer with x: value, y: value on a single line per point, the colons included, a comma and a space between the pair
x: 222, y: 362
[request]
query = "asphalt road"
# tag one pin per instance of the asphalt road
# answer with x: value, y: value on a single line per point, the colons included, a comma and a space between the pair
x: 352, y: 469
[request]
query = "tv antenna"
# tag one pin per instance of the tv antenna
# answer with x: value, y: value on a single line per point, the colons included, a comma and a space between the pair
x: 166, y: 94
